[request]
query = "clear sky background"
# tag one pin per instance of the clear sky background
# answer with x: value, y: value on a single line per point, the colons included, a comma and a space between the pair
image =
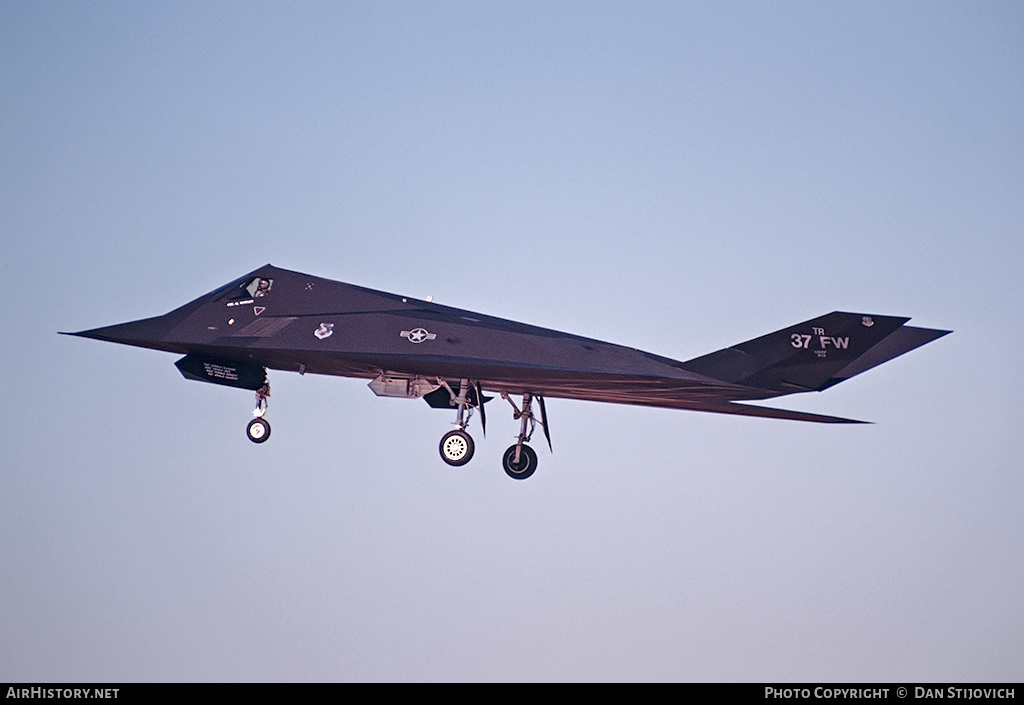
x: 673, y: 176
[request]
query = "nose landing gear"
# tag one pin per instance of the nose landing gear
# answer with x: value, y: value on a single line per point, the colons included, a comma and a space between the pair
x: 258, y: 429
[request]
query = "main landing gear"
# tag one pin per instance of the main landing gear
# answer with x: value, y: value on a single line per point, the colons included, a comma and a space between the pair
x: 258, y: 429
x: 520, y: 460
x: 457, y: 447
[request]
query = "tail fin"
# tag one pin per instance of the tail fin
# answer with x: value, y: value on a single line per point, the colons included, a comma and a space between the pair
x: 814, y: 355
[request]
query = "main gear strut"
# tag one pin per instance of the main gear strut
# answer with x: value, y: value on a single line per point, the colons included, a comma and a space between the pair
x: 520, y: 460
x: 457, y: 446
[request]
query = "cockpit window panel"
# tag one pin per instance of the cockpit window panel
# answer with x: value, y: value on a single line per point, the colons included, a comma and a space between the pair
x: 259, y: 287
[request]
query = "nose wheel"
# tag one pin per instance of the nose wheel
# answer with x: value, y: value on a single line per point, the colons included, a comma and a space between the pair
x: 258, y: 429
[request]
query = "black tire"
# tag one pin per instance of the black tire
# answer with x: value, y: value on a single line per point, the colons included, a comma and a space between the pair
x: 456, y: 448
x: 258, y: 430
x: 526, y: 466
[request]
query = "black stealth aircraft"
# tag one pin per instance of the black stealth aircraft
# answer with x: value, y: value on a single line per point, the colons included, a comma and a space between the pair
x: 278, y: 319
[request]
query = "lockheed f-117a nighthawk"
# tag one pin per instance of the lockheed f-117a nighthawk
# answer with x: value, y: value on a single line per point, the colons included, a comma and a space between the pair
x: 282, y: 320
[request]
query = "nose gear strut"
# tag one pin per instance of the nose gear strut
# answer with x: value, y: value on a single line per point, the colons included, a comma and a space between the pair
x: 258, y: 429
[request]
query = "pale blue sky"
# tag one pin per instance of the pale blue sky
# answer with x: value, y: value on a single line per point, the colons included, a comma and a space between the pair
x: 673, y: 176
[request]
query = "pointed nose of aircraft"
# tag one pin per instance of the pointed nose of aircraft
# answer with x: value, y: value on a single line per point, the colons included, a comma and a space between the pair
x: 145, y: 333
